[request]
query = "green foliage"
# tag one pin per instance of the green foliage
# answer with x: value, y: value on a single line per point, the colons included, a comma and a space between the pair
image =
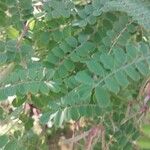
x: 73, y: 60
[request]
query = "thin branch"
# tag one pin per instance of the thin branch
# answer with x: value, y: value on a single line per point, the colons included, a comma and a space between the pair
x: 76, y: 138
x: 19, y: 41
x: 103, y: 140
x: 143, y: 88
x: 118, y: 36
x: 61, y: 27
x: 96, y: 133
x: 25, y: 30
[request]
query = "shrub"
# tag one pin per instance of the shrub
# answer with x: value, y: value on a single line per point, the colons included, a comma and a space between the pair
x: 64, y: 60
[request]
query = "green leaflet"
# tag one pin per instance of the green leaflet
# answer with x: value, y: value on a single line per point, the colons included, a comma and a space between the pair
x: 2, y: 95
x: 107, y: 61
x: 132, y: 73
x: 107, y: 41
x: 143, y: 68
x: 102, y: 97
x: 84, y: 77
x: 62, y: 71
x: 52, y: 58
x: 131, y: 51
x: 72, y: 41
x: 119, y: 56
x: 95, y: 67
x: 59, y: 118
x: 58, y: 52
x: 43, y: 88
x: 74, y: 114
x: 91, y: 20
x: 3, y: 140
x: 65, y: 47
x: 69, y: 65
x: 78, y: 95
x: 71, y: 82
x: 18, y: 101
x: 11, y: 46
x: 144, y: 48
x: 13, y: 144
x: 85, y: 48
x: 12, y: 33
x: 112, y: 85
x: 122, y: 79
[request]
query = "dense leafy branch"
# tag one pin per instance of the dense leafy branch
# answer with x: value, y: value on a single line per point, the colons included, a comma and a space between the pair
x: 64, y: 61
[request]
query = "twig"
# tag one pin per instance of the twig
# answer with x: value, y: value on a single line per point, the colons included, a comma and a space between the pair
x: 61, y: 27
x: 94, y: 134
x: 25, y: 29
x: 143, y: 88
x: 104, y: 146
x: 118, y: 36
x: 113, y: 124
x: 19, y: 41
x: 76, y: 138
